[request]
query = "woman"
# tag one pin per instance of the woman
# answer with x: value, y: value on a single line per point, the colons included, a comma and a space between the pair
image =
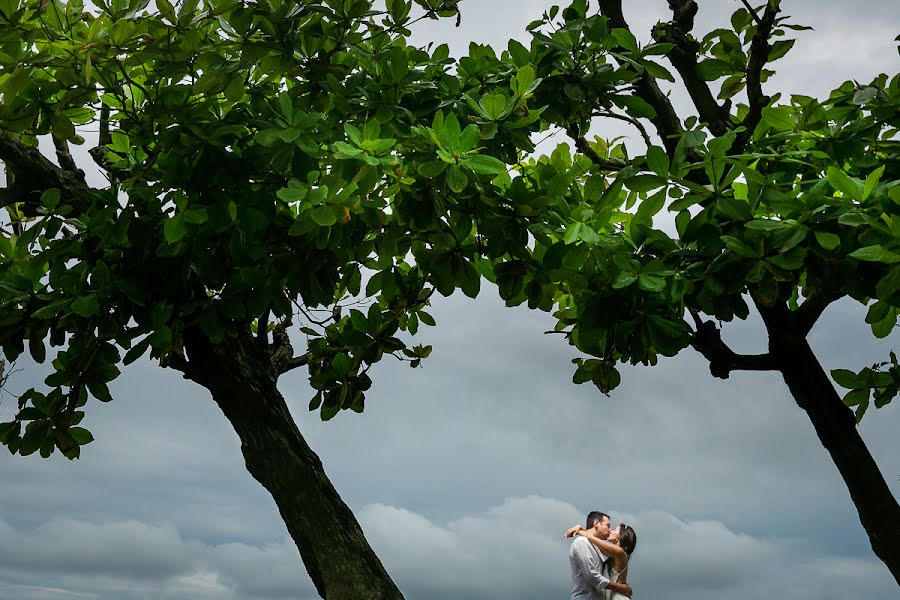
x: 617, y: 548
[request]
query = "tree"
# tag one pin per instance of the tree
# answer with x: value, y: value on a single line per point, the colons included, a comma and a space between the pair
x: 253, y: 151
x: 786, y: 204
x: 284, y: 169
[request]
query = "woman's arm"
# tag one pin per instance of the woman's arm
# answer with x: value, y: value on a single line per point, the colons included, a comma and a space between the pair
x: 618, y: 556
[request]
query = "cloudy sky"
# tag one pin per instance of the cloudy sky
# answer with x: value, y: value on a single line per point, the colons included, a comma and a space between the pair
x: 487, y: 453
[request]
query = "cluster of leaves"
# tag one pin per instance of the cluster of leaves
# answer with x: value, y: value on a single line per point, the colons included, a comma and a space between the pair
x: 254, y: 152
x: 274, y: 160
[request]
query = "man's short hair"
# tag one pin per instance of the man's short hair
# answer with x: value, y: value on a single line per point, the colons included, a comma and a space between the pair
x: 595, y: 515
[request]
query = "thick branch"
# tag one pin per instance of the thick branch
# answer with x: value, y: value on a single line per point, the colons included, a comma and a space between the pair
x: 684, y: 58
x: 707, y: 340
x: 282, y: 351
x: 666, y: 121
x: 34, y: 174
x: 810, y: 311
x: 759, y: 54
x: 293, y: 363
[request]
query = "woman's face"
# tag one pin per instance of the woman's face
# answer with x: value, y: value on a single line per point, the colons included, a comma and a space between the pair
x: 615, y: 534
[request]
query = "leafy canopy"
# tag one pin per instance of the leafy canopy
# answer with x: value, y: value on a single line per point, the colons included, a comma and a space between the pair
x: 276, y: 161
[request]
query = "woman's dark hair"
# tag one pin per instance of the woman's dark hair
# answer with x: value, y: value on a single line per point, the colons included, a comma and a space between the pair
x: 627, y: 538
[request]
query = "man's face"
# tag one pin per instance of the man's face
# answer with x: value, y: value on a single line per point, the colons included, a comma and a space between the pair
x: 602, y: 527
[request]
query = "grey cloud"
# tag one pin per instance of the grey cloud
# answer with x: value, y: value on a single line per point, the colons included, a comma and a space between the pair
x: 515, y: 550
x: 124, y: 548
x: 131, y: 559
x: 512, y: 550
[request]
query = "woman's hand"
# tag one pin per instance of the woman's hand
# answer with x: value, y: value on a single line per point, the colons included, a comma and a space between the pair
x: 573, y: 530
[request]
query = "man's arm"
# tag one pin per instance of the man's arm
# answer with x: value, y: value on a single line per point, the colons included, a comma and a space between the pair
x: 589, y: 565
x: 621, y: 588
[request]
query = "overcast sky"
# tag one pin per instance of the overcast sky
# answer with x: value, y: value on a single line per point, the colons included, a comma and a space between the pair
x: 486, y: 454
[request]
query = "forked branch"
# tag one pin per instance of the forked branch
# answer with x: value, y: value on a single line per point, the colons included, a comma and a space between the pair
x: 707, y: 340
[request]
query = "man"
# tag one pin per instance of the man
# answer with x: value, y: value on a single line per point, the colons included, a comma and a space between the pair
x: 588, y: 578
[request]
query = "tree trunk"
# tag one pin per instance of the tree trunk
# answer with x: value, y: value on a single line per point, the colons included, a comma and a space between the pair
x: 242, y: 381
x: 836, y: 427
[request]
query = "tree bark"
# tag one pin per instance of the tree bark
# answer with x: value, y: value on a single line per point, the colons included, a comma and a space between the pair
x: 836, y: 427
x: 242, y: 381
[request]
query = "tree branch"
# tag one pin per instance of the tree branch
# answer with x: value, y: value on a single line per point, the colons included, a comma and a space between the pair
x: 707, y: 340
x: 627, y: 119
x: 811, y: 309
x: 759, y: 54
x: 65, y: 157
x: 176, y: 361
x: 684, y: 58
x: 293, y: 363
x: 666, y: 121
x: 584, y: 147
x: 34, y: 174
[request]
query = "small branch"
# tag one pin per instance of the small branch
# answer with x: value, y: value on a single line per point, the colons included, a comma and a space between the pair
x: 666, y: 121
x: 293, y: 363
x: 585, y: 148
x: 65, y: 157
x: 626, y: 118
x: 707, y: 340
x: 752, y: 12
x: 105, y: 135
x: 759, y: 54
x: 684, y: 58
x: 176, y: 361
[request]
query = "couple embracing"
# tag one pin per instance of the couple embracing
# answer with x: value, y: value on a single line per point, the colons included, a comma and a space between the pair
x: 599, y: 559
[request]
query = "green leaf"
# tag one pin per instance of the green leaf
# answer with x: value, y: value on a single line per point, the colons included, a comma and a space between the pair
x: 432, y: 168
x: 323, y: 216
x: 779, y: 49
x: 645, y: 183
x: 865, y: 95
x: 841, y: 182
x: 174, y: 229
x: 779, y: 118
x: 485, y: 165
x: 871, y: 181
x: 86, y: 306
x: 658, y: 161
x: 657, y: 70
x: 847, y: 379
x: 739, y: 247
x: 37, y: 349
x: 884, y: 327
x: 624, y: 279
x: 625, y: 39
x: 732, y: 86
x: 341, y: 364
x: 860, y: 398
x: 651, y: 283
x: 635, y: 106
x: 80, y: 434
x: 580, y: 231
x: 828, y: 241
x: 456, y: 179
x: 875, y: 253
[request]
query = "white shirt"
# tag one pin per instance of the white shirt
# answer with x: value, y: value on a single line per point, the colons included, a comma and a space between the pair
x: 588, y: 580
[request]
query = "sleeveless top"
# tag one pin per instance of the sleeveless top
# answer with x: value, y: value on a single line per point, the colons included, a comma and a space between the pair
x: 613, y: 575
